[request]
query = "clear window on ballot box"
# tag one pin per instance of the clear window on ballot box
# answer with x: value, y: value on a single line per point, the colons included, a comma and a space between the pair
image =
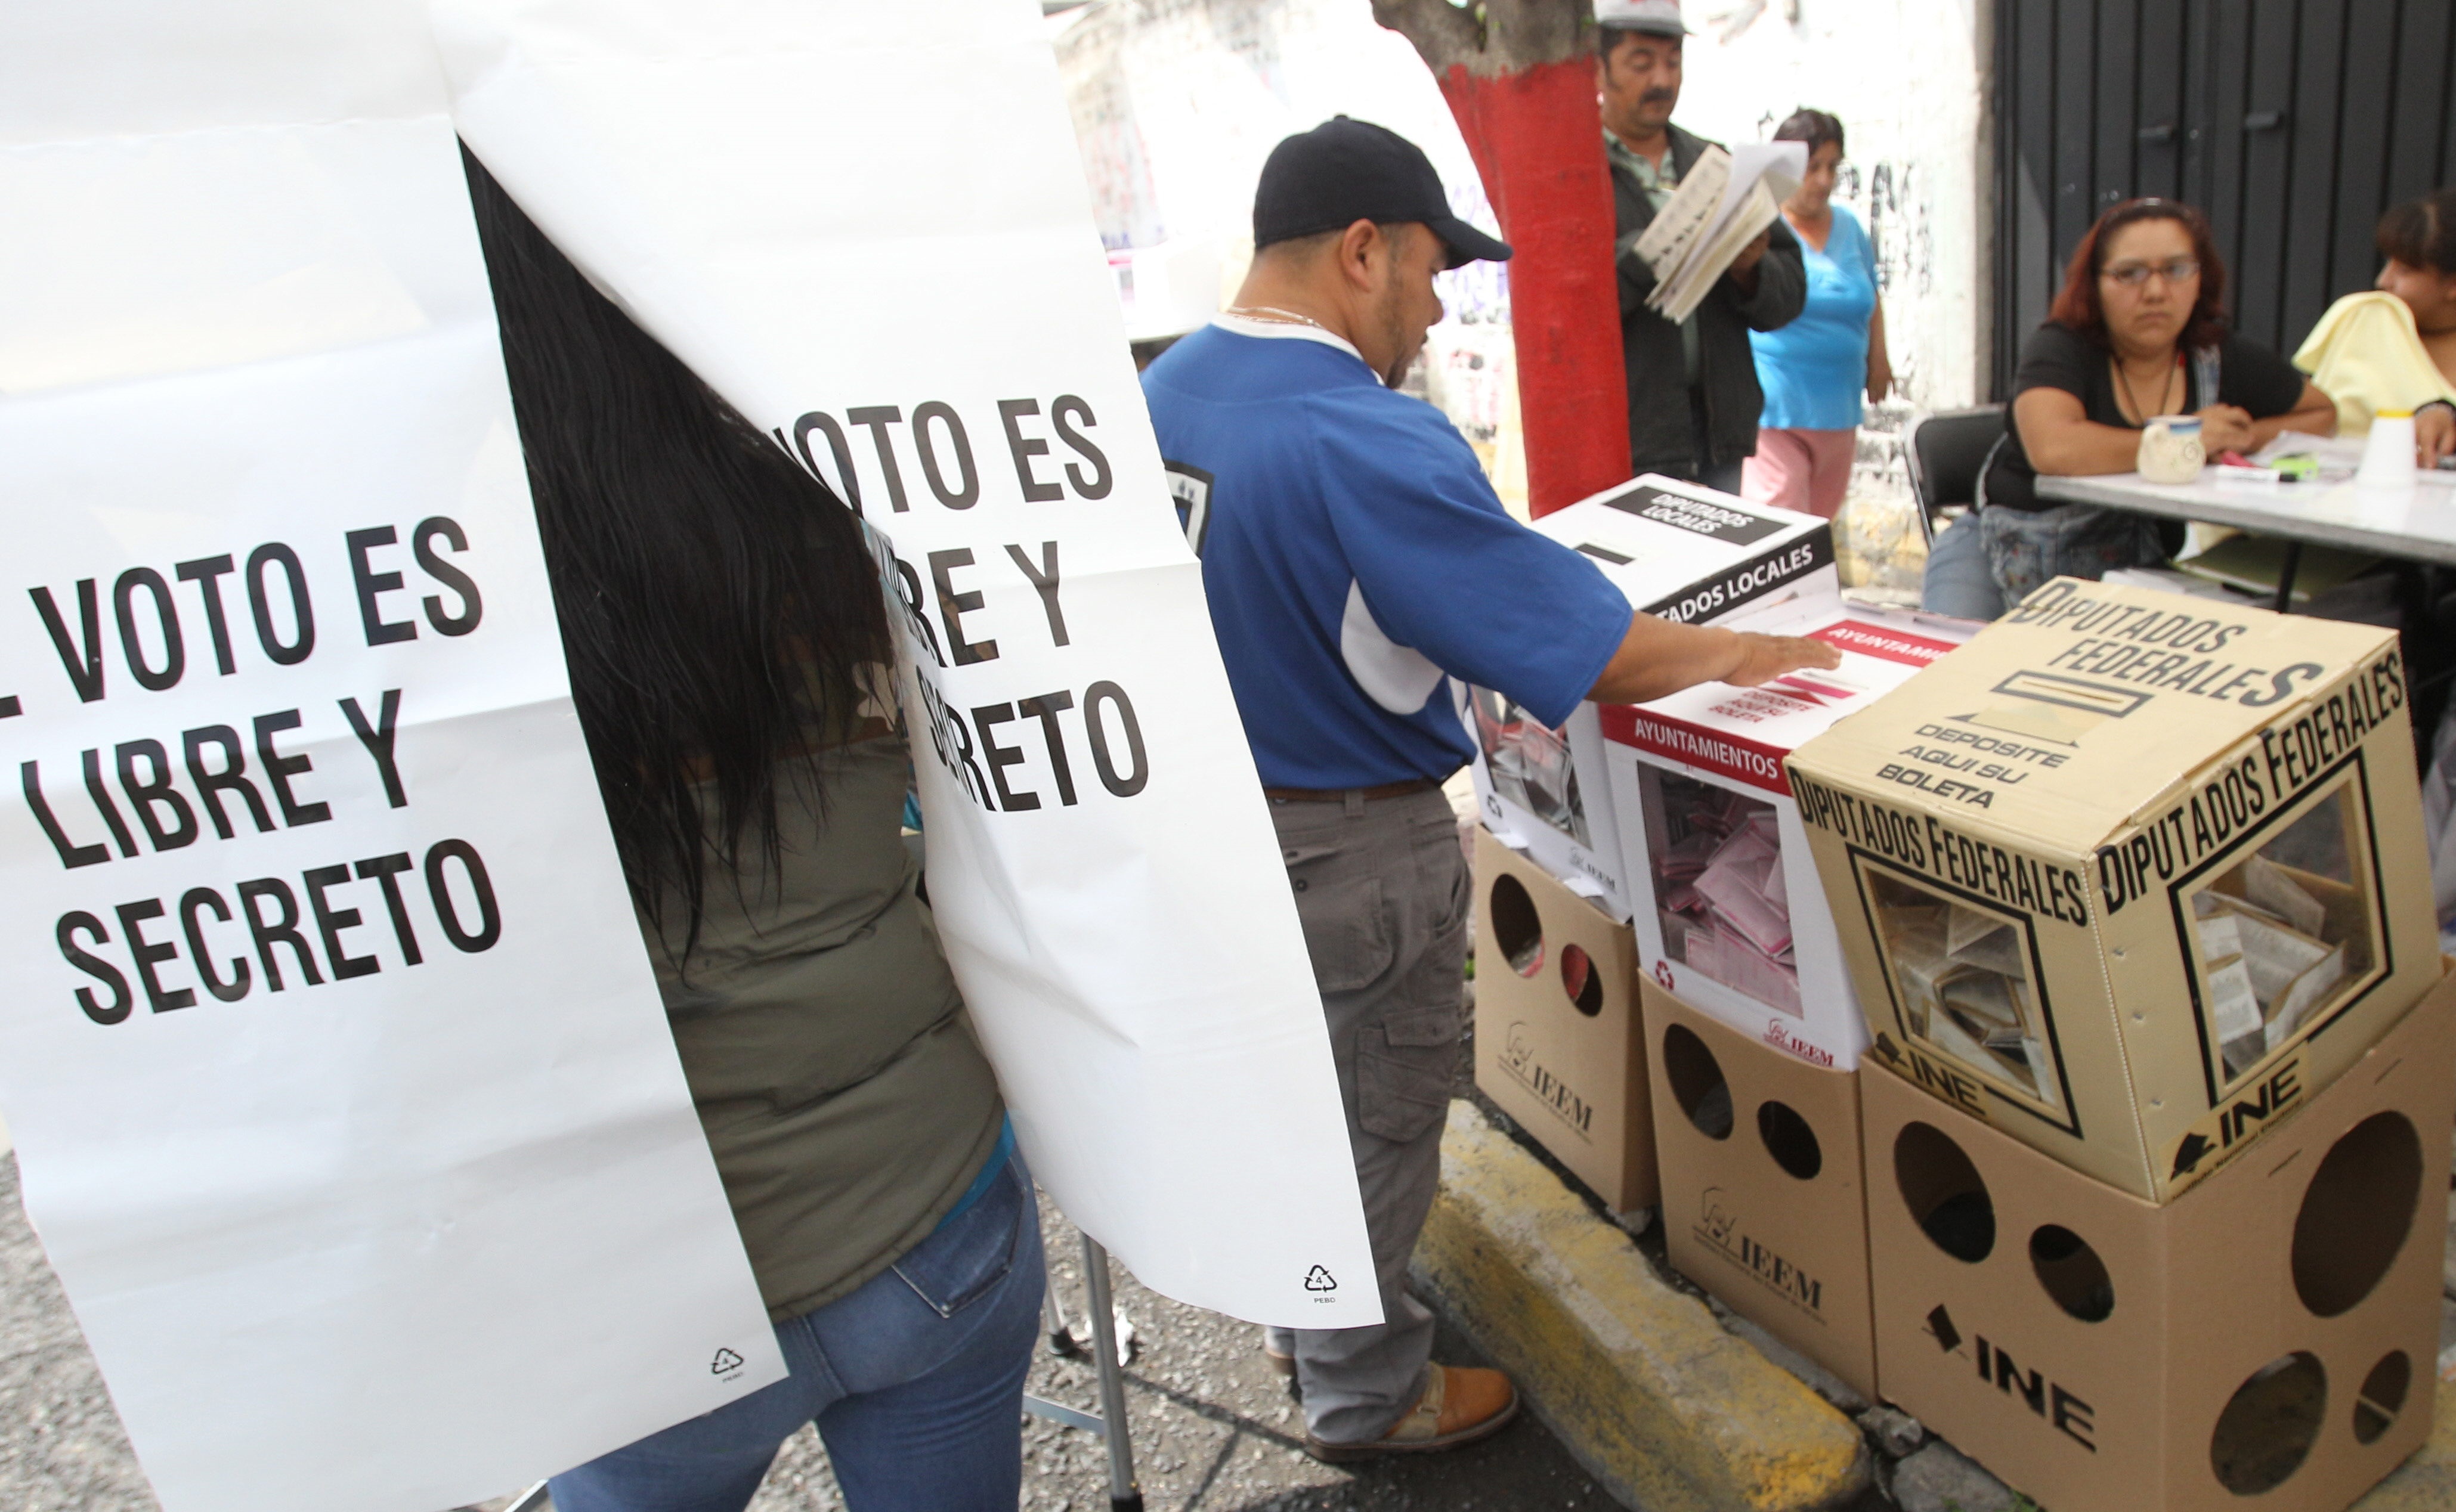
x: 2285, y: 932
x: 1965, y: 981
x: 1719, y: 890
x: 1530, y: 764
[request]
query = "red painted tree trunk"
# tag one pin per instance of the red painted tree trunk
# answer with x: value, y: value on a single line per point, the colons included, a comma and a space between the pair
x: 1538, y: 142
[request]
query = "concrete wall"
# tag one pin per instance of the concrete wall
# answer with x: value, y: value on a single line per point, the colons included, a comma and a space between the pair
x: 1176, y: 102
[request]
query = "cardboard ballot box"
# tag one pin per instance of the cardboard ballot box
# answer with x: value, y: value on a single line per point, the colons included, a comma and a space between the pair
x: 1557, y: 1042
x: 2129, y: 875
x: 2270, y: 1334
x: 1723, y: 893
x: 1678, y: 550
x: 1763, y: 1201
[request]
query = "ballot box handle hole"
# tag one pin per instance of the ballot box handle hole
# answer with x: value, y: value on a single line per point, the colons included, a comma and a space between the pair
x: 2357, y: 1214
x: 1790, y: 1140
x: 2269, y: 1425
x: 1947, y: 1197
x: 2071, y: 1273
x: 2382, y: 1395
x: 1697, y: 1083
x: 1580, y: 979
x: 1517, y: 928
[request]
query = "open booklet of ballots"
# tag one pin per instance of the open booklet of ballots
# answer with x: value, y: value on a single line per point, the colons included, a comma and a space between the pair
x: 1723, y: 200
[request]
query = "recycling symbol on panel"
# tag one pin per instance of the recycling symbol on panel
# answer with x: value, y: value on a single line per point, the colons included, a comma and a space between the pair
x: 1319, y: 1280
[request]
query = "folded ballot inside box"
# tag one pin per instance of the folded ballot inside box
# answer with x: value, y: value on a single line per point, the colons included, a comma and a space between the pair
x: 1679, y: 551
x: 1729, y: 912
x: 2130, y: 875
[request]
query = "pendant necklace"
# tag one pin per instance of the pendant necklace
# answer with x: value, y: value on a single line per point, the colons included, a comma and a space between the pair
x: 2125, y: 379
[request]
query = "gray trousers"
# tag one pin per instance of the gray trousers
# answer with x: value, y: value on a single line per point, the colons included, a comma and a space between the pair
x: 1383, y: 892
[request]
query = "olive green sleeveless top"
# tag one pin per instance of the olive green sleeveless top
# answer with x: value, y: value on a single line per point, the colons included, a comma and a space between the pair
x: 844, y: 1096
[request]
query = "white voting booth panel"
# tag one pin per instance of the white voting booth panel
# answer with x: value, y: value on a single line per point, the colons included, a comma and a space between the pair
x: 1678, y: 550
x: 347, y: 1108
x: 794, y: 196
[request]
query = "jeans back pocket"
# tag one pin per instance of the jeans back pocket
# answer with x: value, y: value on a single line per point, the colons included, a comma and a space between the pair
x: 967, y: 1257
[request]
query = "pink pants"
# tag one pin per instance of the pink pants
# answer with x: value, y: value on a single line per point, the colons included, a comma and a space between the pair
x: 1809, y: 471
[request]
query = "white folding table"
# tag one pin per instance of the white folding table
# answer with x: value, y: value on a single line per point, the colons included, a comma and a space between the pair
x: 2415, y: 520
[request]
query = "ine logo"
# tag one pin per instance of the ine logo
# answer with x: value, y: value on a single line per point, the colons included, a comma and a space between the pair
x: 2050, y: 1402
x: 1319, y: 1280
x: 2234, y: 1121
x: 1939, y: 1327
x: 727, y: 1362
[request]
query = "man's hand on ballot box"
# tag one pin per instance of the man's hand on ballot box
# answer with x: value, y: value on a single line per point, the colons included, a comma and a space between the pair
x: 1659, y: 657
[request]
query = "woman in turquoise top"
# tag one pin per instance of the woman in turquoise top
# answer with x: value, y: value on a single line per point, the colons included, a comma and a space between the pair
x: 1814, y: 369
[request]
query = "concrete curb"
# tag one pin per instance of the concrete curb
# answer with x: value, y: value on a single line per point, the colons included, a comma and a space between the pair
x: 2426, y: 1482
x: 1668, y: 1412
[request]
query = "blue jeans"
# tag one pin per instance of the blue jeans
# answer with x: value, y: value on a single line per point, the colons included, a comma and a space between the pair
x: 2026, y: 547
x: 915, y: 1381
x: 1957, y: 581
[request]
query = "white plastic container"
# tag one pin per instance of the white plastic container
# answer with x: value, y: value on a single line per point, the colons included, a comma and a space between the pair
x: 2388, y: 455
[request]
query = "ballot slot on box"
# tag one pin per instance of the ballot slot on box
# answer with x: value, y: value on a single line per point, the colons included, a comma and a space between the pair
x: 1558, y: 1045
x: 1729, y: 913
x: 2130, y: 876
x: 1674, y: 549
x: 1763, y: 1199
x: 2269, y: 1334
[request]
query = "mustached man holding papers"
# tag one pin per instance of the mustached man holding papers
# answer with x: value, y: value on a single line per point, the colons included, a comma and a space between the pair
x: 1703, y: 253
x: 1354, y: 559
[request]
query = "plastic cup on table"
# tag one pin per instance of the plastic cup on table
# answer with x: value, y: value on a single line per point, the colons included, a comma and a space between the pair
x: 2388, y: 455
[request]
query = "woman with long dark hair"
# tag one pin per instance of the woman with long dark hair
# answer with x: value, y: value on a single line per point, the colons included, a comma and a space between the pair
x: 728, y: 641
x: 2138, y: 330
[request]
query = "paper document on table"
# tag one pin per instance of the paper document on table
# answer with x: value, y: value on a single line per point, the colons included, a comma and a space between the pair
x: 1753, y: 181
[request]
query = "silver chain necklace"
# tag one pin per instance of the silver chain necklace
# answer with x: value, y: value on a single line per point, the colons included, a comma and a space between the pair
x: 1273, y: 314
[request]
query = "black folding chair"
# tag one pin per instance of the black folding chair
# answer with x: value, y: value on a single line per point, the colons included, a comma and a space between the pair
x: 1946, y: 451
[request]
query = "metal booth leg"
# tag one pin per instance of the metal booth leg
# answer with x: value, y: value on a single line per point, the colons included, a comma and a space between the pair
x: 1124, y: 1496
x: 1052, y: 1319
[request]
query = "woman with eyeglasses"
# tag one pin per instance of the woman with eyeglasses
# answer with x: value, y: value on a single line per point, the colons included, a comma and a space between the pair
x: 2138, y: 330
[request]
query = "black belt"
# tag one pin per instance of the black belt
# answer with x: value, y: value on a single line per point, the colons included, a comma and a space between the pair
x: 1335, y: 795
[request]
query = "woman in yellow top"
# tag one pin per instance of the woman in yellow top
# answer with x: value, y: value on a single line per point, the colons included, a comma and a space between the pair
x: 2394, y: 347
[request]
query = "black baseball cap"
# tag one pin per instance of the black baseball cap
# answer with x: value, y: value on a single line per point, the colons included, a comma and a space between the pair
x: 1345, y: 170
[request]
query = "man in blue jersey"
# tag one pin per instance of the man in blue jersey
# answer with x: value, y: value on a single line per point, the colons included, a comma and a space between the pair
x: 1354, y: 557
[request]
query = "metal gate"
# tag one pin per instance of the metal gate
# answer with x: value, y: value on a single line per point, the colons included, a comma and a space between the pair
x: 2294, y: 123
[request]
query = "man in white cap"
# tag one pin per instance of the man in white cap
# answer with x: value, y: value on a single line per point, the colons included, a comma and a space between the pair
x: 1693, y: 398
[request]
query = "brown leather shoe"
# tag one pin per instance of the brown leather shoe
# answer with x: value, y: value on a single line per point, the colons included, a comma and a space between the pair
x: 1461, y: 1405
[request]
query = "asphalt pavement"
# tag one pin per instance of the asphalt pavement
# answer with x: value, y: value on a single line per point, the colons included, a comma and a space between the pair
x: 1214, y: 1430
